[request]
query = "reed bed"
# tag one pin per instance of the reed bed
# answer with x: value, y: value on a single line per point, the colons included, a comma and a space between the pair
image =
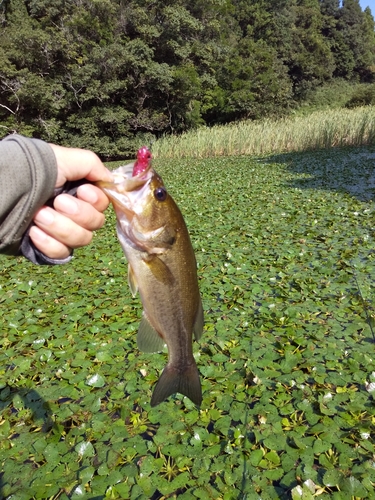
x: 319, y: 130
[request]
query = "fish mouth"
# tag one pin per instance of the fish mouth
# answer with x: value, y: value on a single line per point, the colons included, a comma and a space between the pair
x: 126, y: 191
x: 124, y: 181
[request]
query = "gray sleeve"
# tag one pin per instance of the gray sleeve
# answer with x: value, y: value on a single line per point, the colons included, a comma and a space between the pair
x: 28, y: 173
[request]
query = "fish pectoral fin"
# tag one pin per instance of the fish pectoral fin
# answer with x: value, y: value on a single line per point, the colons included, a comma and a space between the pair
x: 148, y: 339
x: 199, y: 322
x: 132, y: 281
x: 159, y: 269
x: 174, y: 380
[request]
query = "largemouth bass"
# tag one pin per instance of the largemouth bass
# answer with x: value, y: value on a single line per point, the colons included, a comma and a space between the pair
x: 162, y: 267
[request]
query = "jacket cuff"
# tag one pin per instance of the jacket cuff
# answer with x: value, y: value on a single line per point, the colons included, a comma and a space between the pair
x: 29, y: 173
x: 29, y: 250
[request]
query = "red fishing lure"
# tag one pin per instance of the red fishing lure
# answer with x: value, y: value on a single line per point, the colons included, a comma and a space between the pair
x: 143, y: 160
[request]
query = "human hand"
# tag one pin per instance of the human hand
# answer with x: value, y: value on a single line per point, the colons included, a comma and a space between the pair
x: 69, y: 224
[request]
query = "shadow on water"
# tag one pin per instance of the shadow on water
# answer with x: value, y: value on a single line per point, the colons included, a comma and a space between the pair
x: 349, y: 170
x: 40, y: 416
x: 346, y: 170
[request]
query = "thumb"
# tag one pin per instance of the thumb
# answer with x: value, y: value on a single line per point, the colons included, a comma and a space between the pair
x: 75, y: 163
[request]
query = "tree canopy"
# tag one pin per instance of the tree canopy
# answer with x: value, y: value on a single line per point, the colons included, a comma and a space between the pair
x: 110, y: 74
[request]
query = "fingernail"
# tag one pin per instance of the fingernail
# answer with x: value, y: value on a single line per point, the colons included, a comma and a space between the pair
x: 44, y: 216
x: 66, y: 204
x: 37, y: 235
x: 87, y: 193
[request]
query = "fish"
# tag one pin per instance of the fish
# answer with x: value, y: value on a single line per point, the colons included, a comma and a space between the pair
x: 163, y: 269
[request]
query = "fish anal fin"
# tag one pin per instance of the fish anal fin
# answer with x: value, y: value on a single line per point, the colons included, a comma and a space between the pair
x: 199, y: 322
x: 174, y: 380
x: 133, y: 285
x: 148, y: 339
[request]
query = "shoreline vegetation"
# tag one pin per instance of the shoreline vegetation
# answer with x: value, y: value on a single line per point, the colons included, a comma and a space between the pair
x: 318, y: 130
x: 108, y: 75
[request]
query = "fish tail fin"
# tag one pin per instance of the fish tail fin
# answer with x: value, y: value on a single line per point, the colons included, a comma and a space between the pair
x: 173, y: 380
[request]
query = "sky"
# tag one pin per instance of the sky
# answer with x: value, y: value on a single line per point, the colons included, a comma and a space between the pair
x: 368, y: 3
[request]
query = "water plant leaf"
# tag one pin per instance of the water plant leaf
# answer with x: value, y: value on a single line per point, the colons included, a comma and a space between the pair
x: 95, y: 380
x: 85, y: 448
x: 332, y: 477
x: 286, y: 359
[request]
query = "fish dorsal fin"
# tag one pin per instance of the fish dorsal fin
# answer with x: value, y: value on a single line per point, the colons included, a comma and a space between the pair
x: 148, y: 339
x: 133, y: 285
x: 199, y: 322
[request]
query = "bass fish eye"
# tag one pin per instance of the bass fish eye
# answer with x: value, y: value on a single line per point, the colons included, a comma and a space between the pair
x: 160, y: 194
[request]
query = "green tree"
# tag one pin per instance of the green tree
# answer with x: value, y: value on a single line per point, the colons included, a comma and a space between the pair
x: 369, y: 35
x: 350, y: 32
x: 27, y: 58
x: 108, y: 74
x: 311, y: 62
x: 253, y: 83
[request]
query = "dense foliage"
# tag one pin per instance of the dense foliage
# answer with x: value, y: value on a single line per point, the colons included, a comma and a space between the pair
x: 109, y: 74
x: 286, y: 265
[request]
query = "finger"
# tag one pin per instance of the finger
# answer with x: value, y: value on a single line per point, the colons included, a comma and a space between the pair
x: 62, y: 228
x: 78, y: 211
x: 94, y: 196
x: 48, y: 245
x: 74, y: 164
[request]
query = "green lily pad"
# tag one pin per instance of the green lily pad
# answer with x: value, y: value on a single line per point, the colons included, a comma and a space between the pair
x: 95, y: 380
x: 332, y: 478
x: 85, y: 449
x: 285, y: 271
